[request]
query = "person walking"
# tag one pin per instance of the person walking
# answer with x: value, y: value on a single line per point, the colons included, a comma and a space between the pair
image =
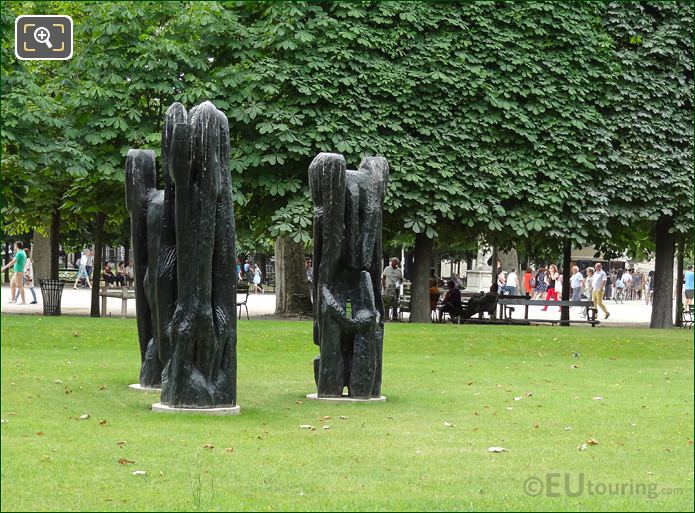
x: 18, y: 263
x: 391, y: 279
x: 598, y: 283
x: 541, y: 283
x: 528, y: 276
x: 512, y: 283
x: 577, y: 283
x: 627, y: 285
x: 257, y: 280
x: 501, y: 282
x: 28, y: 277
x: 551, y: 278
x: 619, y: 287
x: 82, y: 273
x: 89, y: 264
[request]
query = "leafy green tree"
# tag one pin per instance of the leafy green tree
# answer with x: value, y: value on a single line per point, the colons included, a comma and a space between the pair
x: 648, y: 172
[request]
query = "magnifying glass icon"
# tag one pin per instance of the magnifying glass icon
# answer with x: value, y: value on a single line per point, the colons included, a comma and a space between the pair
x: 43, y: 36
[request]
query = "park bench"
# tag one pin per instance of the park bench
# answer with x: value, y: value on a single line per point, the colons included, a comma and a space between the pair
x: 123, y: 293
x: 303, y: 302
x: 506, y: 304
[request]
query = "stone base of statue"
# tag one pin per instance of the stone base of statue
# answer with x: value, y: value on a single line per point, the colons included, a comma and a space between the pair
x: 163, y: 408
x: 140, y: 388
x: 477, y: 281
x: 347, y: 399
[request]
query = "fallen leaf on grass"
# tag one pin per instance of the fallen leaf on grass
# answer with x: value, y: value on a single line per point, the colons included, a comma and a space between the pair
x: 57, y: 382
x: 597, y: 398
x: 528, y: 394
x: 124, y: 461
x: 582, y: 447
x: 76, y: 333
x: 299, y: 402
x: 508, y: 408
x: 102, y: 387
x: 592, y: 441
x: 343, y: 417
x: 140, y: 473
x: 121, y: 443
x: 4, y: 421
x: 85, y: 416
x: 496, y: 449
x: 208, y: 446
x: 102, y: 422
x: 518, y: 398
x: 39, y: 433
x: 574, y: 366
x: 229, y: 449
x: 327, y: 417
x: 307, y: 426
x: 68, y: 390
x: 568, y: 428
x: 449, y: 424
x: 326, y: 427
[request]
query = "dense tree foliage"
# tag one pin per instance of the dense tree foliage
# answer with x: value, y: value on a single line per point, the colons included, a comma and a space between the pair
x: 515, y: 124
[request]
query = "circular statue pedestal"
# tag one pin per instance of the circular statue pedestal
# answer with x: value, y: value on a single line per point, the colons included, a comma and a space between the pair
x: 163, y: 408
x: 346, y: 399
x: 139, y: 388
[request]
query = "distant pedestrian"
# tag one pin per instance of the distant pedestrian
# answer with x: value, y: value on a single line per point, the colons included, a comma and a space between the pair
x: 18, y: 263
x: 541, y: 283
x: 391, y: 279
x: 82, y: 273
x: 551, y: 279
x: 619, y: 287
x: 89, y: 264
x: 689, y: 286
x: 28, y: 277
x: 257, y: 280
x: 512, y: 282
x: 598, y: 283
x: 576, y: 283
x: 627, y: 282
x: 501, y: 282
x: 528, y: 276
x: 451, y: 303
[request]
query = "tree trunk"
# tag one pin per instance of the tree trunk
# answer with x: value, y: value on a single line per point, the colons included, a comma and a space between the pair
x: 662, y: 306
x: 96, y: 274
x: 55, y: 244
x: 566, y: 256
x: 290, y: 276
x: 41, y: 257
x: 419, y: 291
x: 678, y: 321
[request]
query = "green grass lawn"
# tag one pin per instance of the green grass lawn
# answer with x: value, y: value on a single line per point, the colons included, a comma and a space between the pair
x: 393, y: 455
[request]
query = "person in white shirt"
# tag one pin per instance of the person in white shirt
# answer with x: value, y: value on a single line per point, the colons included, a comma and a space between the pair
x: 598, y: 284
x: 576, y: 283
x: 512, y: 282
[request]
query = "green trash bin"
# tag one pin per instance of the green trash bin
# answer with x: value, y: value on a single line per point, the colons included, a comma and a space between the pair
x: 52, y: 292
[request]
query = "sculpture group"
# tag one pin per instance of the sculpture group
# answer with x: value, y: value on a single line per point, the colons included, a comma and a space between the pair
x: 183, y: 244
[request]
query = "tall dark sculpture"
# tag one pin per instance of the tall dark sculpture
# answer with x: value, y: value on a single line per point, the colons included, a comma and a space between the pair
x: 347, y: 267
x: 183, y: 243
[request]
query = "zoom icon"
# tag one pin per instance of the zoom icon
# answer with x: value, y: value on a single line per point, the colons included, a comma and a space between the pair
x: 43, y: 37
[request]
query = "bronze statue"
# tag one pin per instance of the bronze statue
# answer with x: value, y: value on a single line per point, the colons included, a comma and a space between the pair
x: 347, y: 268
x: 183, y: 243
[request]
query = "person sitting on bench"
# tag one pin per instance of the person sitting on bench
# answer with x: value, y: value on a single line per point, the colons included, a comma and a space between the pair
x: 482, y: 303
x: 110, y: 278
x: 451, y: 303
